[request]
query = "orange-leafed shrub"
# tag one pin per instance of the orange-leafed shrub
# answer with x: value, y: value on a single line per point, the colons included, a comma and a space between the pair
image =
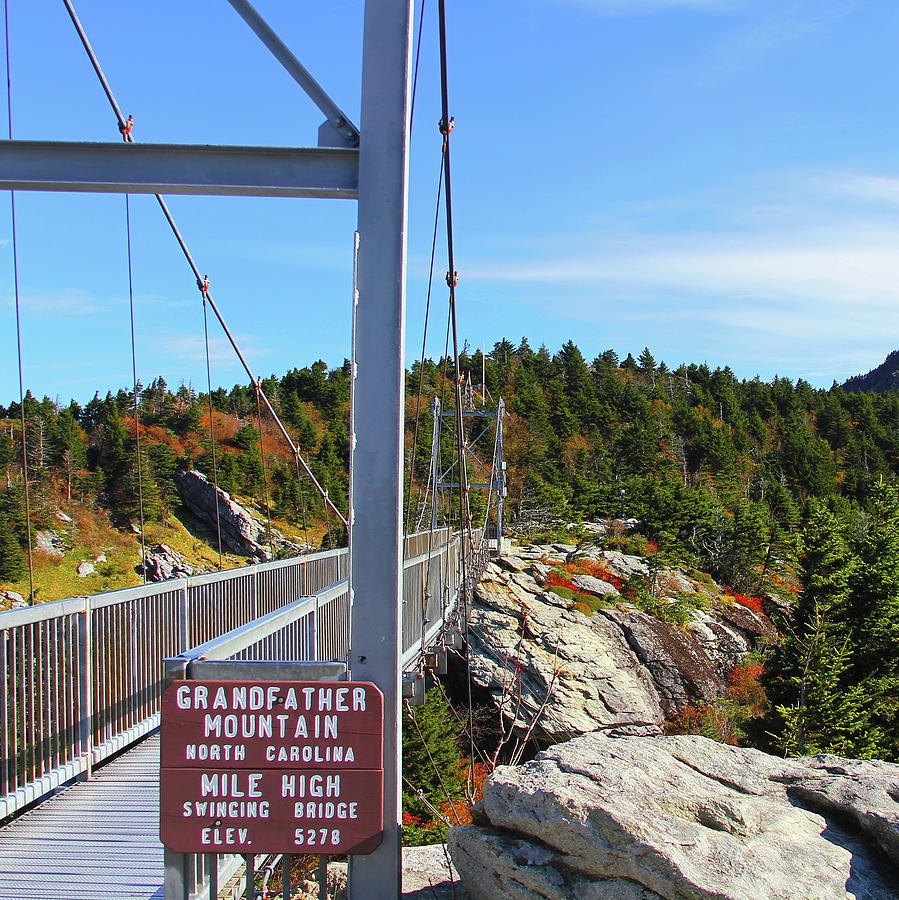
x: 745, y: 687
x: 554, y: 579
x: 711, y: 721
x: 596, y: 569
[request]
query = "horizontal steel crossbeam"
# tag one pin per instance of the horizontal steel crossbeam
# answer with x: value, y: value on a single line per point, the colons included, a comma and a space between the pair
x: 179, y: 169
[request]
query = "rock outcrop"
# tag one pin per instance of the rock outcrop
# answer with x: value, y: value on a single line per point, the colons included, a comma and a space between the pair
x: 428, y: 874
x: 573, y: 672
x: 241, y: 532
x: 50, y: 542
x: 609, y: 815
x: 161, y: 562
x: 12, y: 600
x: 540, y: 659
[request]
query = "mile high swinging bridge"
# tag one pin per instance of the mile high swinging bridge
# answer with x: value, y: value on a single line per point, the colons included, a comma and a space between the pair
x: 81, y: 679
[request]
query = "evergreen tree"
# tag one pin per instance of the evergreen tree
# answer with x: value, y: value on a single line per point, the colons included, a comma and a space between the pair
x: 818, y: 707
x: 432, y: 763
x: 12, y: 534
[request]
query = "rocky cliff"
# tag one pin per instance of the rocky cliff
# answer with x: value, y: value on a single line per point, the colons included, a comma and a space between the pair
x: 561, y: 668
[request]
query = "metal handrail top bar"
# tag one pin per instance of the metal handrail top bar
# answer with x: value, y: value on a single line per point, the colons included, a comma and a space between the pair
x: 244, y: 636
x: 12, y: 618
x: 423, y: 557
x: 239, y: 571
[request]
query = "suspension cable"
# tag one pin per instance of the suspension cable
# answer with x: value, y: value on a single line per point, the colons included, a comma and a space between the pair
x: 212, y: 440
x: 302, y: 507
x: 15, y: 270
x: 140, y: 478
x: 424, y: 341
x: 443, y: 380
x: 125, y: 128
x: 446, y: 128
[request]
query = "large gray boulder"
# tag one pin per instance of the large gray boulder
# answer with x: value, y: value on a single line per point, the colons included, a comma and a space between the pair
x: 609, y: 815
x: 241, y: 533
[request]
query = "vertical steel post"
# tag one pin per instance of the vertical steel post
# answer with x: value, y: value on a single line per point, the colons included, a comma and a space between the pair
x: 376, y: 520
x: 435, y: 460
x: 86, y: 686
x: 185, y: 615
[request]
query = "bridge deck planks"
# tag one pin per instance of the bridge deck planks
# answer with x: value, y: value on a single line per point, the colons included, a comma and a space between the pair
x: 96, y: 839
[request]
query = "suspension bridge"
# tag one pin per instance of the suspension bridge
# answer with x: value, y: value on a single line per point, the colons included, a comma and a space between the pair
x: 81, y: 679
x: 82, y: 684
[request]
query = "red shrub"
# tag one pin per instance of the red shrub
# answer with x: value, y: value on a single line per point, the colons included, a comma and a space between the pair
x: 556, y: 580
x: 756, y: 604
x: 596, y: 569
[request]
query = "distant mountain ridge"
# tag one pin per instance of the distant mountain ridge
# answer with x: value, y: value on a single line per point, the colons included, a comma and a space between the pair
x: 884, y: 378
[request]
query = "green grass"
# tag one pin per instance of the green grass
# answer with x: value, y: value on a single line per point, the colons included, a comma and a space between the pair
x: 91, y: 534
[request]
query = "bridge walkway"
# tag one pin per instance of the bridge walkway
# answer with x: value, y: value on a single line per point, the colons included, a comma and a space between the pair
x: 80, y: 679
x: 95, y: 839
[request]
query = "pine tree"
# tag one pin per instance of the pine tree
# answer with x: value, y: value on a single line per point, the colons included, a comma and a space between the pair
x: 12, y: 534
x: 12, y: 558
x: 138, y: 495
x: 432, y: 763
x: 819, y: 707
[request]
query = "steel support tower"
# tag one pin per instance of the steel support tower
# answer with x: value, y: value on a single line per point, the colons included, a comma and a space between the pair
x: 371, y: 165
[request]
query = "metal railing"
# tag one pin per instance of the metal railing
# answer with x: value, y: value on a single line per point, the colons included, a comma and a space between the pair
x: 311, y: 628
x: 80, y: 679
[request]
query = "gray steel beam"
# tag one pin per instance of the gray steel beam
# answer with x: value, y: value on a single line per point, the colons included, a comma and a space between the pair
x: 338, y: 120
x: 179, y: 169
x: 376, y: 486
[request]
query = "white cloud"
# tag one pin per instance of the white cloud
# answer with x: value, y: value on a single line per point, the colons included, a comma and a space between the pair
x: 826, y: 268
x: 821, y: 280
x: 876, y: 189
x: 192, y: 348
x: 70, y: 301
x: 630, y: 7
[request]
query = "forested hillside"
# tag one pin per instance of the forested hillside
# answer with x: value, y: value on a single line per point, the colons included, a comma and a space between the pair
x: 84, y: 461
x: 776, y: 489
x: 713, y: 467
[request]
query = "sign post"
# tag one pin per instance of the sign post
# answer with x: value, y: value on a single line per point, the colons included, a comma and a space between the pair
x: 271, y: 767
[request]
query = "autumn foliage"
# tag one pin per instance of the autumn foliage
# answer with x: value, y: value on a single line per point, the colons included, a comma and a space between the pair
x: 756, y: 604
x: 727, y: 719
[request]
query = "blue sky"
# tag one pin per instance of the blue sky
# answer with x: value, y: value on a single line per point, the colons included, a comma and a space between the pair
x: 716, y: 179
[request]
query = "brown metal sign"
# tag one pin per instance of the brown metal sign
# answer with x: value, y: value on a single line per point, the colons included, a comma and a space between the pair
x: 275, y: 767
